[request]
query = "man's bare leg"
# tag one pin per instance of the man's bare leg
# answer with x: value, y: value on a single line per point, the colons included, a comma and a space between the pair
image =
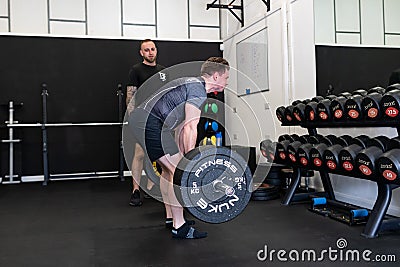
x: 182, y: 229
x: 137, y: 167
x: 168, y: 165
x: 136, y: 170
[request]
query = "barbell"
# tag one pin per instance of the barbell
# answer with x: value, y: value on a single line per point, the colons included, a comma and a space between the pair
x: 213, y: 183
x: 64, y: 124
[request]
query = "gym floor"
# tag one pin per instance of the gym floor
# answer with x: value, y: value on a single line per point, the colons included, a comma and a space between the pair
x: 89, y: 223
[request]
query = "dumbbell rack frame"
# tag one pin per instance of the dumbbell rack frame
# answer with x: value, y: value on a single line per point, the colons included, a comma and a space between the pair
x: 376, y: 222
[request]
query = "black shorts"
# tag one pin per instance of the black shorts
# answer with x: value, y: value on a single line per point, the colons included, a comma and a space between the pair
x: 155, y: 139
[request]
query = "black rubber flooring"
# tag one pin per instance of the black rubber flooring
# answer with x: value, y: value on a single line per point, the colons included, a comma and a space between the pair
x: 89, y: 223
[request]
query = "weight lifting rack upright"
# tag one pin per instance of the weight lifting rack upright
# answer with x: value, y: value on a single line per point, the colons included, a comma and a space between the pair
x: 11, y: 124
x: 44, y: 125
x: 376, y: 222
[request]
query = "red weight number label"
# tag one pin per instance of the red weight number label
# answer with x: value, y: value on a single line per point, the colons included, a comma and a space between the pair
x: 392, y: 112
x: 317, y: 162
x: 338, y: 114
x: 312, y: 115
x: 272, y: 156
x: 365, y: 170
x: 389, y: 175
x: 353, y: 114
x: 304, y: 161
x: 372, y: 113
x: 297, y: 116
x: 331, y: 165
x: 323, y: 116
x: 347, y: 166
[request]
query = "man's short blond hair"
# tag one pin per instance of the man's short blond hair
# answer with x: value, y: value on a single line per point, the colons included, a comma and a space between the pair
x: 213, y: 65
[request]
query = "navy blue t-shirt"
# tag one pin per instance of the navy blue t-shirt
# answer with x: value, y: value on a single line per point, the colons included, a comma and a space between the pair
x: 168, y: 104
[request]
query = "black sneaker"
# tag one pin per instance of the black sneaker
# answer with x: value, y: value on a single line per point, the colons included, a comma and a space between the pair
x: 187, y: 232
x: 154, y: 192
x: 135, y: 199
x: 147, y: 196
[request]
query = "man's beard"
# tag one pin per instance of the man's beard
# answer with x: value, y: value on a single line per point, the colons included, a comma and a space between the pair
x: 150, y: 60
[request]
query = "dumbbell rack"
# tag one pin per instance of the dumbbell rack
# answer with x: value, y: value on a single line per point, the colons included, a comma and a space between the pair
x: 376, y: 222
x: 11, y: 141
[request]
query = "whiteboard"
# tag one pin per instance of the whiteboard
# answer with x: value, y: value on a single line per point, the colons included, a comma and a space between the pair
x: 252, y: 63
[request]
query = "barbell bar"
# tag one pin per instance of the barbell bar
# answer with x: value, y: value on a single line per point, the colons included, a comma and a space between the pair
x: 65, y: 124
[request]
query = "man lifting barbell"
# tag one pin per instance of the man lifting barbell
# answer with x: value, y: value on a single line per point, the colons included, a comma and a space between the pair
x: 176, y: 107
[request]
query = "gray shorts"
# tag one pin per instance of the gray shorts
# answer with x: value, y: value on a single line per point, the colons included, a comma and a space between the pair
x: 150, y: 132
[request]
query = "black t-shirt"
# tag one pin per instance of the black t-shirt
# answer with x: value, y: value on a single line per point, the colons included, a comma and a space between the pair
x: 140, y: 73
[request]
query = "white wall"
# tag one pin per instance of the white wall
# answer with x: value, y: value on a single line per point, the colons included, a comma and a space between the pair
x: 137, y: 19
x: 247, y: 119
x: 291, y: 66
x: 253, y: 11
x: 355, y: 22
x: 28, y: 16
x: 68, y: 20
x: 301, y: 47
x: 256, y: 111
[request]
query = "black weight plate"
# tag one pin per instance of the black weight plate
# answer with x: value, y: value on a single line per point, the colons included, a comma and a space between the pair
x: 264, y: 198
x: 270, y: 188
x: 264, y: 193
x: 273, y: 174
x: 152, y: 170
x: 181, y: 167
x: 265, y: 190
x: 275, y: 182
x: 195, y: 177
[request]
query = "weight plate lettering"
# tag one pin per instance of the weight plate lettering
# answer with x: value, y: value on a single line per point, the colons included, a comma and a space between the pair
x: 214, y: 183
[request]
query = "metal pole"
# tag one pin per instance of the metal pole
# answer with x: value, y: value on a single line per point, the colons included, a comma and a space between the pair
x: 379, y: 210
x: 120, y: 119
x: 296, y: 177
x: 11, y: 137
x: 44, y: 135
x: 11, y: 142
